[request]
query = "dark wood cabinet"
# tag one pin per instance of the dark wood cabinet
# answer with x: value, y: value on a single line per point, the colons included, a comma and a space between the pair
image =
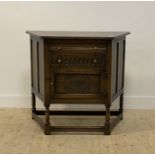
x: 77, y: 67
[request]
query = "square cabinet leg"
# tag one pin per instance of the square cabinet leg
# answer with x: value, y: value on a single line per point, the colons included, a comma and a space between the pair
x: 121, y: 106
x: 33, y: 102
x: 107, y: 130
x: 47, y: 129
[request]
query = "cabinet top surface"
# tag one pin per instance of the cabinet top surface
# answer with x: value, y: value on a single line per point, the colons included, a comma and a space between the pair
x: 77, y: 34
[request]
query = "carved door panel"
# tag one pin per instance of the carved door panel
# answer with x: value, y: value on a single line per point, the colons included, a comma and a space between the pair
x: 77, y: 86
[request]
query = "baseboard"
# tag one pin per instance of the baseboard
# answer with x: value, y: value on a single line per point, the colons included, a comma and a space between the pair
x: 130, y: 102
x: 139, y: 102
x: 15, y: 101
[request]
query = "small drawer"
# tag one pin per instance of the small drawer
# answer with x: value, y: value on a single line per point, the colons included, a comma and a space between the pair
x: 77, y: 53
x: 77, y: 46
x: 80, y: 48
x: 76, y: 60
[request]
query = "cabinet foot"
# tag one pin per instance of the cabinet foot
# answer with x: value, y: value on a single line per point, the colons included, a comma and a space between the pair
x: 33, y: 102
x: 121, y: 116
x: 47, y: 128
x: 121, y: 106
x: 107, y: 130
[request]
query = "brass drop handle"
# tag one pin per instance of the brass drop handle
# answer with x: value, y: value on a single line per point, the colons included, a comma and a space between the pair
x: 51, y: 83
x: 59, y: 48
x: 95, y: 48
x: 59, y: 60
x: 95, y: 61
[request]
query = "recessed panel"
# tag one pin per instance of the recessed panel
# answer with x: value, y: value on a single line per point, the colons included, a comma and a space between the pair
x: 77, y: 84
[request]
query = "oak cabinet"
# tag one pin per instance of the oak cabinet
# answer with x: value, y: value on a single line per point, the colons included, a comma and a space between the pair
x: 77, y: 68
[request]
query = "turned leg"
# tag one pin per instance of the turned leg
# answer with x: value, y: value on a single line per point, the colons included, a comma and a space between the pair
x: 33, y: 101
x: 121, y: 105
x: 47, y: 121
x: 107, y: 130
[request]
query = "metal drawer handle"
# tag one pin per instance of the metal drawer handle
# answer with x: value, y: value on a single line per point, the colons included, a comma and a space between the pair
x: 51, y: 83
x: 59, y: 60
x: 95, y: 48
x: 95, y: 61
x: 77, y: 48
x: 59, y: 48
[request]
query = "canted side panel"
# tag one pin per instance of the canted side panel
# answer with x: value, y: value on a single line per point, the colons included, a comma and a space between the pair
x: 120, y: 66
x: 37, y: 67
x: 114, y: 68
x: 34, y: 64
x: 31, y: 61
x: 41, y: 66
x: 118, y: 56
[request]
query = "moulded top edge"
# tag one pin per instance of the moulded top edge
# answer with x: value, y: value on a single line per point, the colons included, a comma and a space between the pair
x: 78, y: 34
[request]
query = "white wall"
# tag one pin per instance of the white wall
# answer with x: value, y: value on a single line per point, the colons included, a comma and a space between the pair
x: 136, y: 17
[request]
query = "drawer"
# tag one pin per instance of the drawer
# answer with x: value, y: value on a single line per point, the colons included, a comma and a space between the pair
x: 79, y: 46
x: 75, y: 60
x: 77, y: 54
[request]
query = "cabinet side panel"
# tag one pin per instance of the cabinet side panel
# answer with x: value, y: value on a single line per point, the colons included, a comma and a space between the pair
x: 41, y: 67
x: 118, y: 58
x: 34, y: 65
x: 37, y: 67
x: 124, y: 52
x: 120, y: 66
x: 114, y: 68
x: 46, y: 73
x: 31, y: 58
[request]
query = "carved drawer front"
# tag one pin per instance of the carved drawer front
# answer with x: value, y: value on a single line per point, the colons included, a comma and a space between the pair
x: 83, y: 60
x: 74, y: 54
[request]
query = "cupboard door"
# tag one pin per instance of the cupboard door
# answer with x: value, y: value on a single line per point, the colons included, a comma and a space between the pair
x: 77, y: 71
